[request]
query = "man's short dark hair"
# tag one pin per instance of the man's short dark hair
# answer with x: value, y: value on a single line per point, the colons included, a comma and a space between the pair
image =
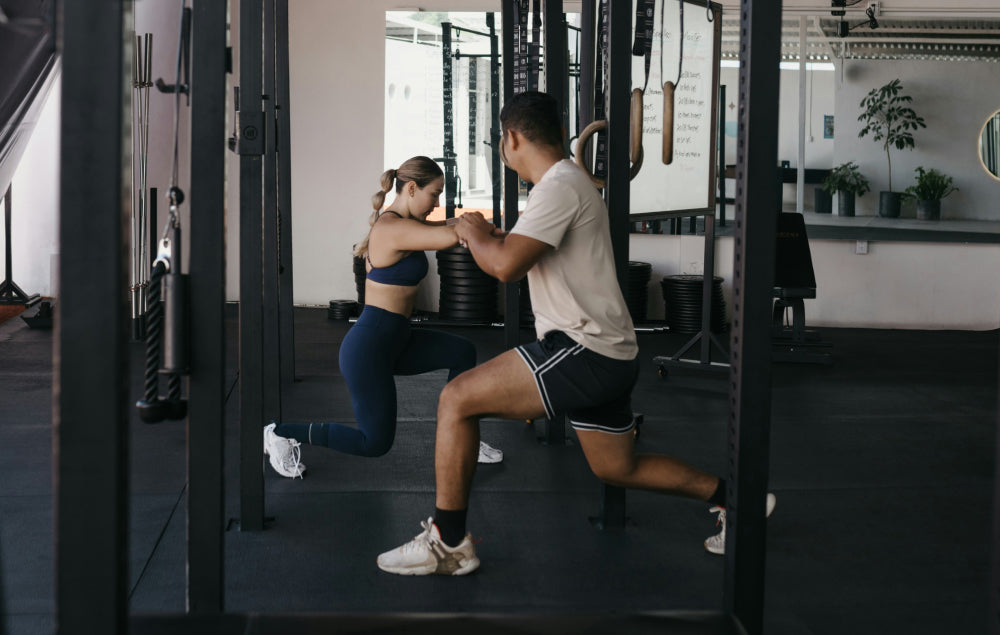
x: 536, y: 116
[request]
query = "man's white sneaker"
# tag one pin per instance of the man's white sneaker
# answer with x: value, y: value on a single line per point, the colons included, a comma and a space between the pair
x: 283, y: 453
x: 489, y: 454
x: 427, y: 554
x: 717, y: 543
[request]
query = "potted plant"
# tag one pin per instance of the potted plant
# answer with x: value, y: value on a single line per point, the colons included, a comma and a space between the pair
x: 888, y: 117
x: 848, y: 182
x: 931, y: 187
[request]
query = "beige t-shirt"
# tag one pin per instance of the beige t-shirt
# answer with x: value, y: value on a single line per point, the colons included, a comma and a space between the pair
x: 574, y: 287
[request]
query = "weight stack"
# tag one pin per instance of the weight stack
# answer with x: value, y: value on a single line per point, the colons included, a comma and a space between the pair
x: 341, y: 309
x: 467, y: 294
x: 682, y: 304
x: 359, y: 278
x: 637, y: 293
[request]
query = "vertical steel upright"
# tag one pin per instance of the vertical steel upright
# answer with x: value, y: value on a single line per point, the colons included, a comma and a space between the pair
x: 497, y: 171
x: 556, y: 85
x: 271, y: 368
x: 473, y: 97
x: 753, y: 275
x: 619, y: 83
x: 616, y: 191
x: 994, y: 617
x: 588, y: 53
x: 251, y: 131
x: 207, y: 269
x: 283, y: 146
x: 720, y: 171
x: 556, y: 61
x: 90, y: 356
x: 450, y: 162
x: 512, y: 300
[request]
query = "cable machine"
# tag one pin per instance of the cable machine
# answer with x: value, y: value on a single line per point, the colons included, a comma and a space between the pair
x: 90, y: 397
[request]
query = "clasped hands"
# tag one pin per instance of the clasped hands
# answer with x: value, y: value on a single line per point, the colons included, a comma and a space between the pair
x: 473, y: 223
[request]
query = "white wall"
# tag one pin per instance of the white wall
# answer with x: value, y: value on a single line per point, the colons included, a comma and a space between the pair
x: 955, y: 99
x: 337, y: 139
x: 894, y: 285
x: 820, y: 101
x: 337, y: 77
x: 35, y: 204
x: 338, y: 103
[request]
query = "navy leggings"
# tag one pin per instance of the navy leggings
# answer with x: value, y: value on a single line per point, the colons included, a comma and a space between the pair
x: 381, y: 344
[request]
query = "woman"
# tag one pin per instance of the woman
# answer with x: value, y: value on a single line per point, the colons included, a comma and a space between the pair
x: 382, y: 343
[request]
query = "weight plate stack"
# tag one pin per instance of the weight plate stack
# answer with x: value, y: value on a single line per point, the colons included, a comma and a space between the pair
x: 682, y: 304
x: 341, y: 309
x: 467, y: 294
x: 359, y: 278
x: 637, y: 292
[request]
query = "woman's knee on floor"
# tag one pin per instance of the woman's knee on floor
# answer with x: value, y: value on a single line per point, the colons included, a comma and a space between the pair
x: 376, y: 445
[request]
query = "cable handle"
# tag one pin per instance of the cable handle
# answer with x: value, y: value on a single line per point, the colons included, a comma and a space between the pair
x: 165, y: 248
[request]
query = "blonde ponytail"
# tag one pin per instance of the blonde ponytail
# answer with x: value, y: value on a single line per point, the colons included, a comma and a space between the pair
x: 378, y: 200
x: 421, y: 170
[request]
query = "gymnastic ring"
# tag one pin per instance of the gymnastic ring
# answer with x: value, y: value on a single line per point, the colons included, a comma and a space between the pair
x: 635, y: 127
x: 581, y: 147
x: 668, y: 123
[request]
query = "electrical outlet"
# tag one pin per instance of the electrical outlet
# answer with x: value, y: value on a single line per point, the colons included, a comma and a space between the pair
x: 875, y: 8
x: 861, y: 247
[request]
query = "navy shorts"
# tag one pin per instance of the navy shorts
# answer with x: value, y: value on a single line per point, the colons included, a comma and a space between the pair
x: 594, y: 391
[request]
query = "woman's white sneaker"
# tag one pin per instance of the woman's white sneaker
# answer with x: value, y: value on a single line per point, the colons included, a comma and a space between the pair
x: 717, y: 543
x: 427, y: 554
x: 283, y: 453
x: 489, y: 454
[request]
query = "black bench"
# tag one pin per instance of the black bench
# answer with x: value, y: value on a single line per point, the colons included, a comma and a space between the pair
x: 794, y: 282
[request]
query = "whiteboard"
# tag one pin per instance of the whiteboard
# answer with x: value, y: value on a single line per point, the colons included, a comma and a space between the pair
x: 687, y: 184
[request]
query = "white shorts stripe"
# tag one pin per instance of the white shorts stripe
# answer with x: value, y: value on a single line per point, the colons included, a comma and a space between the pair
x: 538, y: 371
x: 538, y: 383
x: 577, y: 425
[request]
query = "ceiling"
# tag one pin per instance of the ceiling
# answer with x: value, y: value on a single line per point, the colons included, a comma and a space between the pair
x: 969, y: 39
x: 895, y: 38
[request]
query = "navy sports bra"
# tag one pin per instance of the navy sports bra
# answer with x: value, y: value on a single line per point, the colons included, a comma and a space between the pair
x: 408, y: 272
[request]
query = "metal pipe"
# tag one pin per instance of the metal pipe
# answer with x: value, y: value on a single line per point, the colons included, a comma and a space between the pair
x: 800, y: 174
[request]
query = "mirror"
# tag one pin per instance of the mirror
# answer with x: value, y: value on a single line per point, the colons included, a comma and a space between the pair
x: 989, y: 145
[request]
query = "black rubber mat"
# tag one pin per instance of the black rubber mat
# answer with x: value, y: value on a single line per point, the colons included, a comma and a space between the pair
x: 882, y: 464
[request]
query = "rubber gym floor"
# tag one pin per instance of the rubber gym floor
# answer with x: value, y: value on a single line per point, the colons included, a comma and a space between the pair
x: 882, y: 463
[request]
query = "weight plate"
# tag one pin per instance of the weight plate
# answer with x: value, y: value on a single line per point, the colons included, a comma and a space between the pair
x: 450, y: 298
x: 448, y: 257
x: 456, y: 250
x: 478, y: 316
x: 459, y: 266
x: 446, y: 274
x: 468, y: 305
x: 469, y: 280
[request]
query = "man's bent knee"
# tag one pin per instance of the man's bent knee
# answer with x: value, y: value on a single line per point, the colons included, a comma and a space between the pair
x: 616, y: 474
x: 453, y: 400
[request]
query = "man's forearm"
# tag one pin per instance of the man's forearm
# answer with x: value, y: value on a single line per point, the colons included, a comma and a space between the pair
x: 487, y: 250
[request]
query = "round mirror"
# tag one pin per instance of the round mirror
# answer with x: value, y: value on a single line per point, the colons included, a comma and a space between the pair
x: 989, y: 145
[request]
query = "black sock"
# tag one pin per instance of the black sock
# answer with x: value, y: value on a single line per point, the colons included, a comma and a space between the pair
x: 719, y: 496
x: 451, y: 524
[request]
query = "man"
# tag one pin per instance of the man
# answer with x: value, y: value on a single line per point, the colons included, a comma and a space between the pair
x: 583, y: 364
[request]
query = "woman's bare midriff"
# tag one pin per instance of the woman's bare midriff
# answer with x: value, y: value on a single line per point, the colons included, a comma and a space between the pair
x: 391, y: 297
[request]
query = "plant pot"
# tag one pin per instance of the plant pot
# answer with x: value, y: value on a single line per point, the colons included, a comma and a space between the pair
x: 845, y: 203
x: 822, y: 201
x: 888, y: 204
x: 929, y: 210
